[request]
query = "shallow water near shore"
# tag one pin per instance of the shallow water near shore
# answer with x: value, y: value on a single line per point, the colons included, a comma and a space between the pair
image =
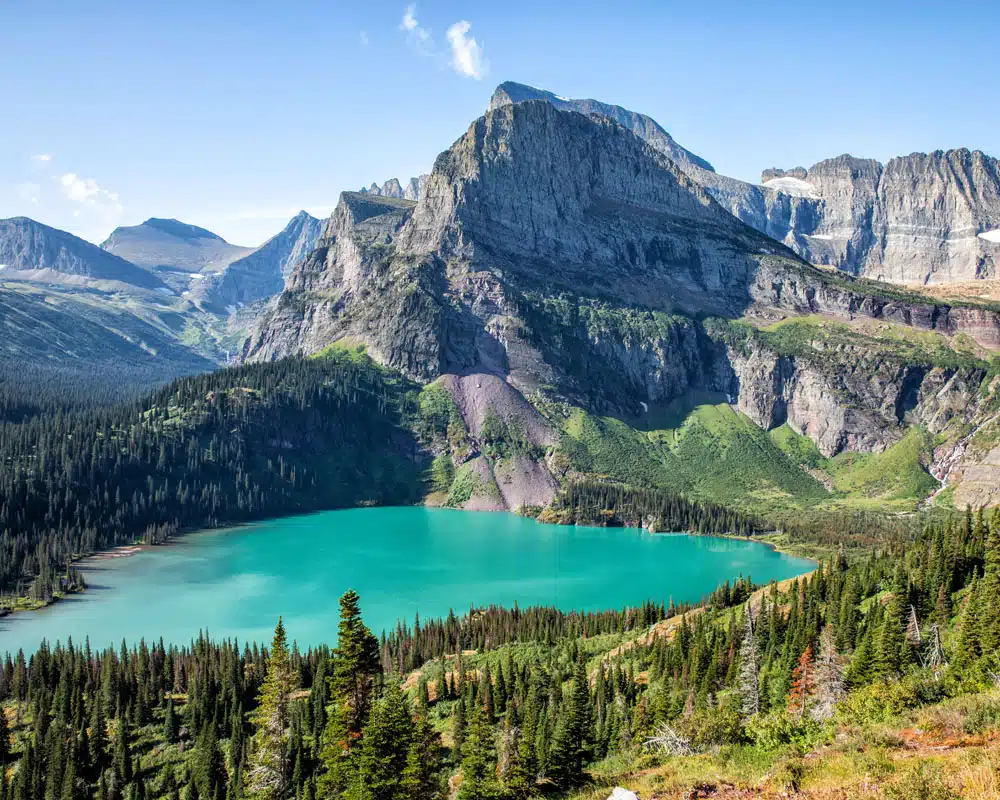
x: 236, y: 582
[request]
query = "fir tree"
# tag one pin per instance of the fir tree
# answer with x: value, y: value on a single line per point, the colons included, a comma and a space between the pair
x: 267, y: 775
x: 479, y: 778
x: 355, y: 667
x: 421, y: 776
x: 385, y: 746
x: 572, y: 741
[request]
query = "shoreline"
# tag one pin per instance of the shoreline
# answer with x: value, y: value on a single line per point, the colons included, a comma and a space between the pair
x: 128, y: 550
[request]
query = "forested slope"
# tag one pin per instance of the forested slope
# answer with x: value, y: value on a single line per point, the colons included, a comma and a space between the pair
x: 239, y: 444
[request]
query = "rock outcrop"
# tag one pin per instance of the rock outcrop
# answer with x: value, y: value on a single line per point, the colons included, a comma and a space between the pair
x: 412, y: 190
x: 557, y: 254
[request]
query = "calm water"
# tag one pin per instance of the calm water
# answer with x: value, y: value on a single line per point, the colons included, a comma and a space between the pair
x: 400, y: 560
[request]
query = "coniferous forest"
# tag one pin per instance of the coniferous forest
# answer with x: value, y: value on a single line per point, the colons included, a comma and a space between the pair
x: 517, y: 703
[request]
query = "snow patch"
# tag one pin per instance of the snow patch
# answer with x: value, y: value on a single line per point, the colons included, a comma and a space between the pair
x: 991, y: 236
x: 822, y: 236
x: 793, y: 186
x: 645, y: 408
x: 164, y: 290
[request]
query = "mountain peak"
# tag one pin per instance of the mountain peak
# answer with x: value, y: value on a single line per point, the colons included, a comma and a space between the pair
x: 182, y: 230
x: 641, y: 125
x: 31, y: 246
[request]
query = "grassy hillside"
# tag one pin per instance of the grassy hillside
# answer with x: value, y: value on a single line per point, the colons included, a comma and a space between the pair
x: 711, y: 451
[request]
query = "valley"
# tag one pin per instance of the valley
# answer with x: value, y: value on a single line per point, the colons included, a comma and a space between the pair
x: 576, y: 320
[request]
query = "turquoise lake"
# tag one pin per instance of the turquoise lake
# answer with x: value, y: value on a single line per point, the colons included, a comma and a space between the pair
x: 236, y: 582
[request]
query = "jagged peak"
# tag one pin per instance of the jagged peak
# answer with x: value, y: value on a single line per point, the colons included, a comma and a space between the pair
x: 642, y: 125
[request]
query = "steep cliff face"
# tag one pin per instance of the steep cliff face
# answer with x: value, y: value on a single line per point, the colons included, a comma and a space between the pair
x: 920, y: 219
x: 644, y: 127
x: 262, y: 274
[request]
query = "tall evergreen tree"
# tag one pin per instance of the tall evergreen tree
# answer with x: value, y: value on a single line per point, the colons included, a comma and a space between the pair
x: 267, y: 772
x: 355, y: 669
x: 385, y: 746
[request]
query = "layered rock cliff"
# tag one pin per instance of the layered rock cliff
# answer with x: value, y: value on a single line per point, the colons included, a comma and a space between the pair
x: 557, y: 255
x: 919, y: 219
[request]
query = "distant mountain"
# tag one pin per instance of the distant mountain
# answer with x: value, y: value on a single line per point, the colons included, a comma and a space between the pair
x: 172, y: 246
x: 413, y: 189
x: 262, y: 273
x: 30, y: 250
x: 919, y: 219
x: 642, y: 126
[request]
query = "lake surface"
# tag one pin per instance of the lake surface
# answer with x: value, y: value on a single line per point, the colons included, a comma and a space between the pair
x: 236, y: 582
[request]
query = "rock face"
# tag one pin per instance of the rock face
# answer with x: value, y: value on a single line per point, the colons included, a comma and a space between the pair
x: 920, y: 219
x: 30, y: 250
x: 642, y: 126
x: 413, y: 189
x: 262, y: 274
x: 555, y: 253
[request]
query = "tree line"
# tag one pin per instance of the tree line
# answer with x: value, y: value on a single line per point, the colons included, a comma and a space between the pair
x: 511, y: 703
x: 238, y: 444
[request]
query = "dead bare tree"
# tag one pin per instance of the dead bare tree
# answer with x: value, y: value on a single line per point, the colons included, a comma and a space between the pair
x: 749, y: 675
x: 934, y: 659
x: 829, y: 678
x: 667, y: 741
x: 913, y: 629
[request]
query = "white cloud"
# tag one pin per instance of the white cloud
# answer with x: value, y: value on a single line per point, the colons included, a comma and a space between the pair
x: 364, y: 39
x: 91, y: 197
x: 466, y: 53
x: 42, y: 158
x: 417, y: 34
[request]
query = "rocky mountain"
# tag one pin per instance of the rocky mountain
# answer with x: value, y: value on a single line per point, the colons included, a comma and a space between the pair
x: 558, y: 261
x: 181, y: 254
x: 262, y: 273
x: 920, y: 219
x: 644, y: 127
x: 413, y: 189
x: 32, y: 251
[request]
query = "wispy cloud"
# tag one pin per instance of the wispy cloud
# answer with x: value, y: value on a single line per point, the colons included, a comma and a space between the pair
x: 466, y: 53
x: 88, y: 194
x: 417, y: 34
x: 42, y: 158
x: 364, y: 39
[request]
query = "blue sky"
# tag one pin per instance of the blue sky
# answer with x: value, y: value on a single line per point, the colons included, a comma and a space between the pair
x: 236, y: 115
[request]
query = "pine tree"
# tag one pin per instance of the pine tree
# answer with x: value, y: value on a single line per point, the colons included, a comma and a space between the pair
x: 479, y: 778
x: 969, y: 648
x: 355, y: 667
x: 385, y: 745
x: 171, y: 725
x: 267, y: 775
